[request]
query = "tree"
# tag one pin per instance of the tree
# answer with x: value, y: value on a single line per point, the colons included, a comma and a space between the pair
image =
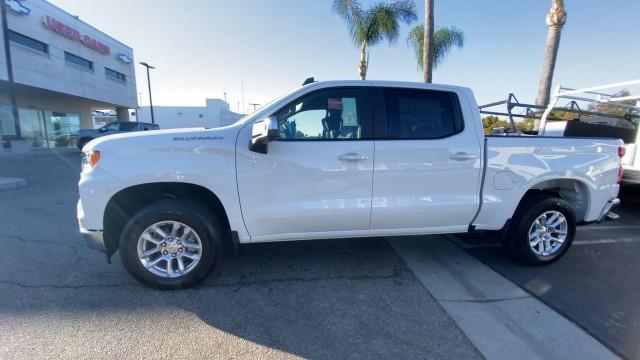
x: 526, y: 125
x: 556, y: 18
x: 492, y: 122
x: 614, y: 108
x: 427, y: 43
x: 371, y: 26
x: 443, y: 40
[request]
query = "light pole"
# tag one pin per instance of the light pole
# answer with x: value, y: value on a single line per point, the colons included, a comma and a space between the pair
x: 149, y: 83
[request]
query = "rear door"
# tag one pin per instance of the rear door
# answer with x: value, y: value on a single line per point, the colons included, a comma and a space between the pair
x: 427, y: 163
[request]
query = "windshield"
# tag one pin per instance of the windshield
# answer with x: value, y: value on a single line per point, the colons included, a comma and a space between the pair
x: 260, y: 110
x: 111, y: 127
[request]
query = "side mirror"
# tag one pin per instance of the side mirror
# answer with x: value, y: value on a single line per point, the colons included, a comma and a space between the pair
x: 262, y: 132
x: 102, y: 129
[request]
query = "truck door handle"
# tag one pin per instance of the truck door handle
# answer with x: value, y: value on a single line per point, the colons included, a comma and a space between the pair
x: 462, y: 156
x: 353, y: 157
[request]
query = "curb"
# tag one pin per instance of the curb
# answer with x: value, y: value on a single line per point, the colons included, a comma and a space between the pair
x: 499, y: 318
x: 11, y: 183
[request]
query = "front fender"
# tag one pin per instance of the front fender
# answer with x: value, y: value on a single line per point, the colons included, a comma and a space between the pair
x: 205, y: 158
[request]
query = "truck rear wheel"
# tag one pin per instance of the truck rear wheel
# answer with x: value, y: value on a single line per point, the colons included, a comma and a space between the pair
x: 171, y: 244
x: 542, y: 230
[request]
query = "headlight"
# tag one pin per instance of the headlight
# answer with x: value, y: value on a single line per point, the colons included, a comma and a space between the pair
x: 90, y: 160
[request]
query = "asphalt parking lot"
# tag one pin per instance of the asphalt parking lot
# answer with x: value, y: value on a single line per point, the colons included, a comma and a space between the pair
x: 351, y: 298
x: 320, y: 299
x: 595, y: 284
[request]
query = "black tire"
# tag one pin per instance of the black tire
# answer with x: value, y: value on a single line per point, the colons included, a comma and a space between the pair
x: 533, y: 206
x: 192, y: 214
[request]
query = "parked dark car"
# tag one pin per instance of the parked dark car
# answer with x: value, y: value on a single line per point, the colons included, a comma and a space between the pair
x: 84, y: 136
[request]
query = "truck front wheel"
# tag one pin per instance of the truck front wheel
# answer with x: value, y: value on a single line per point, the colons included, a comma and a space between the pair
x: 541, y: 230
x: 171, y: 244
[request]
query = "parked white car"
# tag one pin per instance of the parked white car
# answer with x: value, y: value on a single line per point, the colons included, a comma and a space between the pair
x: 337, y: 159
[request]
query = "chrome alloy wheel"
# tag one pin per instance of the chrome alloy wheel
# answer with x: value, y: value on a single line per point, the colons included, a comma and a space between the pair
x: 547, y: 233
x: 169, y: 249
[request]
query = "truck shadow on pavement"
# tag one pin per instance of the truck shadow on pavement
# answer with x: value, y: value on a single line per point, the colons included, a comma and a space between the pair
x: 349, y: 298
x: 318, y: 299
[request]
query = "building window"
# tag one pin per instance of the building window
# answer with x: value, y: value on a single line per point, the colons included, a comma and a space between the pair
x: 114, y: 75
x: 78, y: 61
x: 28, y: 42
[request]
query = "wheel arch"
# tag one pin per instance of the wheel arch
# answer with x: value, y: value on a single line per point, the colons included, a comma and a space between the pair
x: 575, y: 192
x: 126, y: 202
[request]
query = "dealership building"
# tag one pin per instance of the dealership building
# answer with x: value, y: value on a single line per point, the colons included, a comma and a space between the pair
x: 61, y: 70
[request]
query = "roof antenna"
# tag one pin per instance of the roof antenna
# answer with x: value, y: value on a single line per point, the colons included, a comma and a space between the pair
x: 308, y: 81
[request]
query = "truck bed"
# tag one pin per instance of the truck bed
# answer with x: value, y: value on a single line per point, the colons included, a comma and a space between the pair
x: 585, y: 168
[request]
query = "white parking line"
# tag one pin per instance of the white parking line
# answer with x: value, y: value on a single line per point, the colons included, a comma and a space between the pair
x: 611, y: 227
x: 619, y: 240
x: 607, y: 241
x: 500, y: 319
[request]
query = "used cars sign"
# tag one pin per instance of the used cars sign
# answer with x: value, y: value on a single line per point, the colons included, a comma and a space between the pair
x: 73, y: 34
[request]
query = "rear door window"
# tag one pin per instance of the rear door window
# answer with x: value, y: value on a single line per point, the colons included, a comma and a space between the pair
x: 421, y: 114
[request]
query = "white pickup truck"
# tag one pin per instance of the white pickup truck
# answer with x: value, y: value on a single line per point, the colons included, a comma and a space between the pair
x: 337, y: 159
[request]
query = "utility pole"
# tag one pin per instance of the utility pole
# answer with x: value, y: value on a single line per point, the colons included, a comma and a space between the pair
x: 7, y: 54
x: 242, y: 85
x: 153, y: 121
x: 138, y: 107
x: 255, y: 106
x: 225, y: 96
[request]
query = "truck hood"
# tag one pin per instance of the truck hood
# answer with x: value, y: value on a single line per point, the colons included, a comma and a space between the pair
x: 165, y: 140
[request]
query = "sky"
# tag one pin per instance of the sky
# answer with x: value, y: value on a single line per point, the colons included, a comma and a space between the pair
x: 204, y: 48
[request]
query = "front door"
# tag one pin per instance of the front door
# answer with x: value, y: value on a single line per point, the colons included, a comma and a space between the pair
x: 316, y: 180
x: 427, y: 165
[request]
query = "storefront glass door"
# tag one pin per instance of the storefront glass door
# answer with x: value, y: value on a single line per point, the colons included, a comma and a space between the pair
x: 61, y: 128
x: 32, y: 127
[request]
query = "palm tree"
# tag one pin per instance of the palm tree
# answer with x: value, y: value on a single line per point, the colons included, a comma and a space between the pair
x: 556, y: 18
x: 369, y: 27
x: 426, y: 56
x: 443, y: 40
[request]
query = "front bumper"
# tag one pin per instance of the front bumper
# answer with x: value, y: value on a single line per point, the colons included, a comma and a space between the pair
x: 607, y: 207
x: 94, y: 239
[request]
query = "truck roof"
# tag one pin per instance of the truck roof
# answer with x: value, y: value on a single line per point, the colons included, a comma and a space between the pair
x: 128, y: 122
x: 386, y: 83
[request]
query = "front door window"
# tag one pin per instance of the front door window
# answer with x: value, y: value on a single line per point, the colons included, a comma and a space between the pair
x: 325, y: 115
